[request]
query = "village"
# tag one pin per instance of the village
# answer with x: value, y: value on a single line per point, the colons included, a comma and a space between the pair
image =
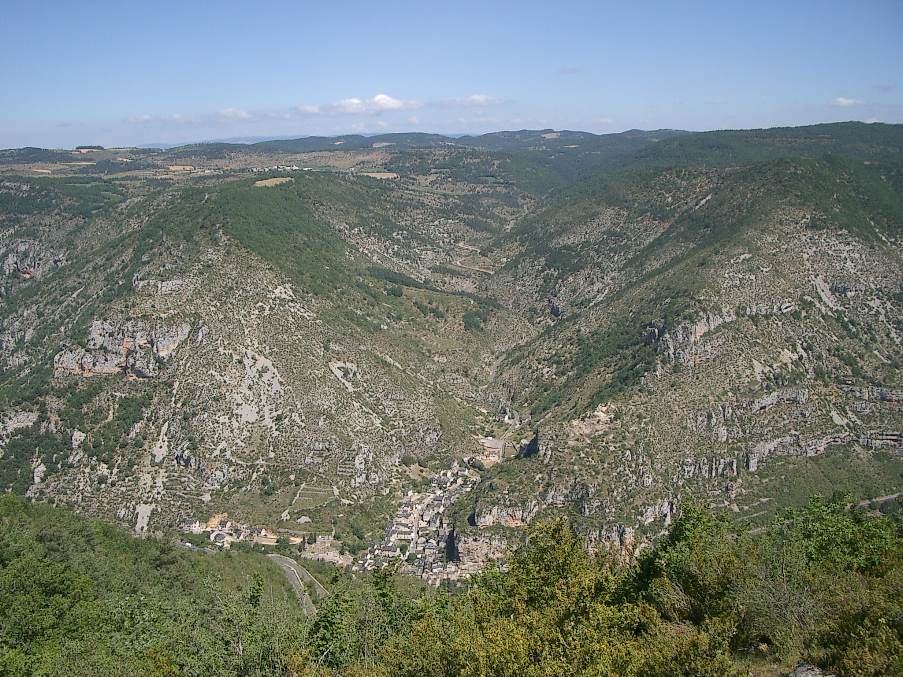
x: 419, y: 535
x: 419, y: 538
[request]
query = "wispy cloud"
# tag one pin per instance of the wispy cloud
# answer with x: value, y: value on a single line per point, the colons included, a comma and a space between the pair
x: 383, y: 103
x: 604, y: 121
x: 569, y: 70
x: 234, y: 114
x: 475, y: 100
x: 884, y: 88
x: 148, y: 118
x: 846, y: 102
x: 348, y: 106
x: 375, y: 113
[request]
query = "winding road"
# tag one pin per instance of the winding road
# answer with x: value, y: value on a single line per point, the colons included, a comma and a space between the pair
x: 297, y: 576
x: 459, y: 262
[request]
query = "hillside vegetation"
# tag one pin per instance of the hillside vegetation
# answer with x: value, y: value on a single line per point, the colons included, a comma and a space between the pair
x: 78, y: 597
x: 821, y: 583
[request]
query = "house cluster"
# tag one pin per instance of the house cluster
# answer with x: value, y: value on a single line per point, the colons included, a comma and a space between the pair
x: 418, y: 534
x: 281, y: 168
x: 223, y: 532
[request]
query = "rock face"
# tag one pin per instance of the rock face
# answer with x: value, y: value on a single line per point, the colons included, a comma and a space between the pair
x: 15, y: 421
x: 131, y: 349
x: 531, y: 448
x: 507, y: 516
x: 805, y: 669
x: 796, y: 396
x: 451, y: 547
x: 30, y: 260
x: 618, y: 540
x: 684, y: 345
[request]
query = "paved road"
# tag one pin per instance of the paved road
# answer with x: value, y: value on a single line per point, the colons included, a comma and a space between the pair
x: 878, y: 499
x: 194, y: 548
x: 297, y: 575
x: 459, y: 262
x: 851, y: 506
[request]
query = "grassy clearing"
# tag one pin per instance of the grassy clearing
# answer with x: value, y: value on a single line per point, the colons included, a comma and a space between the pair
x: 275, y: 181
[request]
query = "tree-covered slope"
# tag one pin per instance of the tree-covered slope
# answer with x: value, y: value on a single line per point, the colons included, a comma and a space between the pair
x: 820, y: 584
x: 78, y: 597
x: 874, y: 141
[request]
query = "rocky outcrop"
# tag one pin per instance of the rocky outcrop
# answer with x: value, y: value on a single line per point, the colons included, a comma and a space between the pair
x: 875, y: 393
x: 663, y: 511
x: 683, y: 344
x: 805, y: 669
x: 506, y: 516
x: 30, y: 260
x: 531, y: 448
x: 618, y: 540
x: 793, y: 396
x: 131, y: 349
x: 709, y: 468
x: 15, y: 421
x: 157, y: 286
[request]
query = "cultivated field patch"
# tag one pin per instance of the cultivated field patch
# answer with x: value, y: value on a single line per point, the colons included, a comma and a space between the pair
x: 380, y: 175
x: 277, y: 181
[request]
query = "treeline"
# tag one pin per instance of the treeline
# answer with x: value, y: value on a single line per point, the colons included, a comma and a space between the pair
x: 822, y: 584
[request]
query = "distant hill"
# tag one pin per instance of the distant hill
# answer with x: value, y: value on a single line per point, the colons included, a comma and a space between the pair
x: 29, y: 155
x: 849, y: 139
x: 515, y: 140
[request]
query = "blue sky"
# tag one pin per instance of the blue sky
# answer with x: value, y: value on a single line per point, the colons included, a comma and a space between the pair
x: 119, y: 73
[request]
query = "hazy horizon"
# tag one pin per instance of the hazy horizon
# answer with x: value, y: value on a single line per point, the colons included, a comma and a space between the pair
x: 240, y: 140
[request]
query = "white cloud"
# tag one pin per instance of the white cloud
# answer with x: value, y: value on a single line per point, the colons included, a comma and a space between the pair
x: 307, y: 109
x: 349, y: 106
x: 845, y: 102
x: 386, y: 102
x: 413, y: 120
x: 604, y: 121
x: 235, y: 114
x: 375, y: 104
